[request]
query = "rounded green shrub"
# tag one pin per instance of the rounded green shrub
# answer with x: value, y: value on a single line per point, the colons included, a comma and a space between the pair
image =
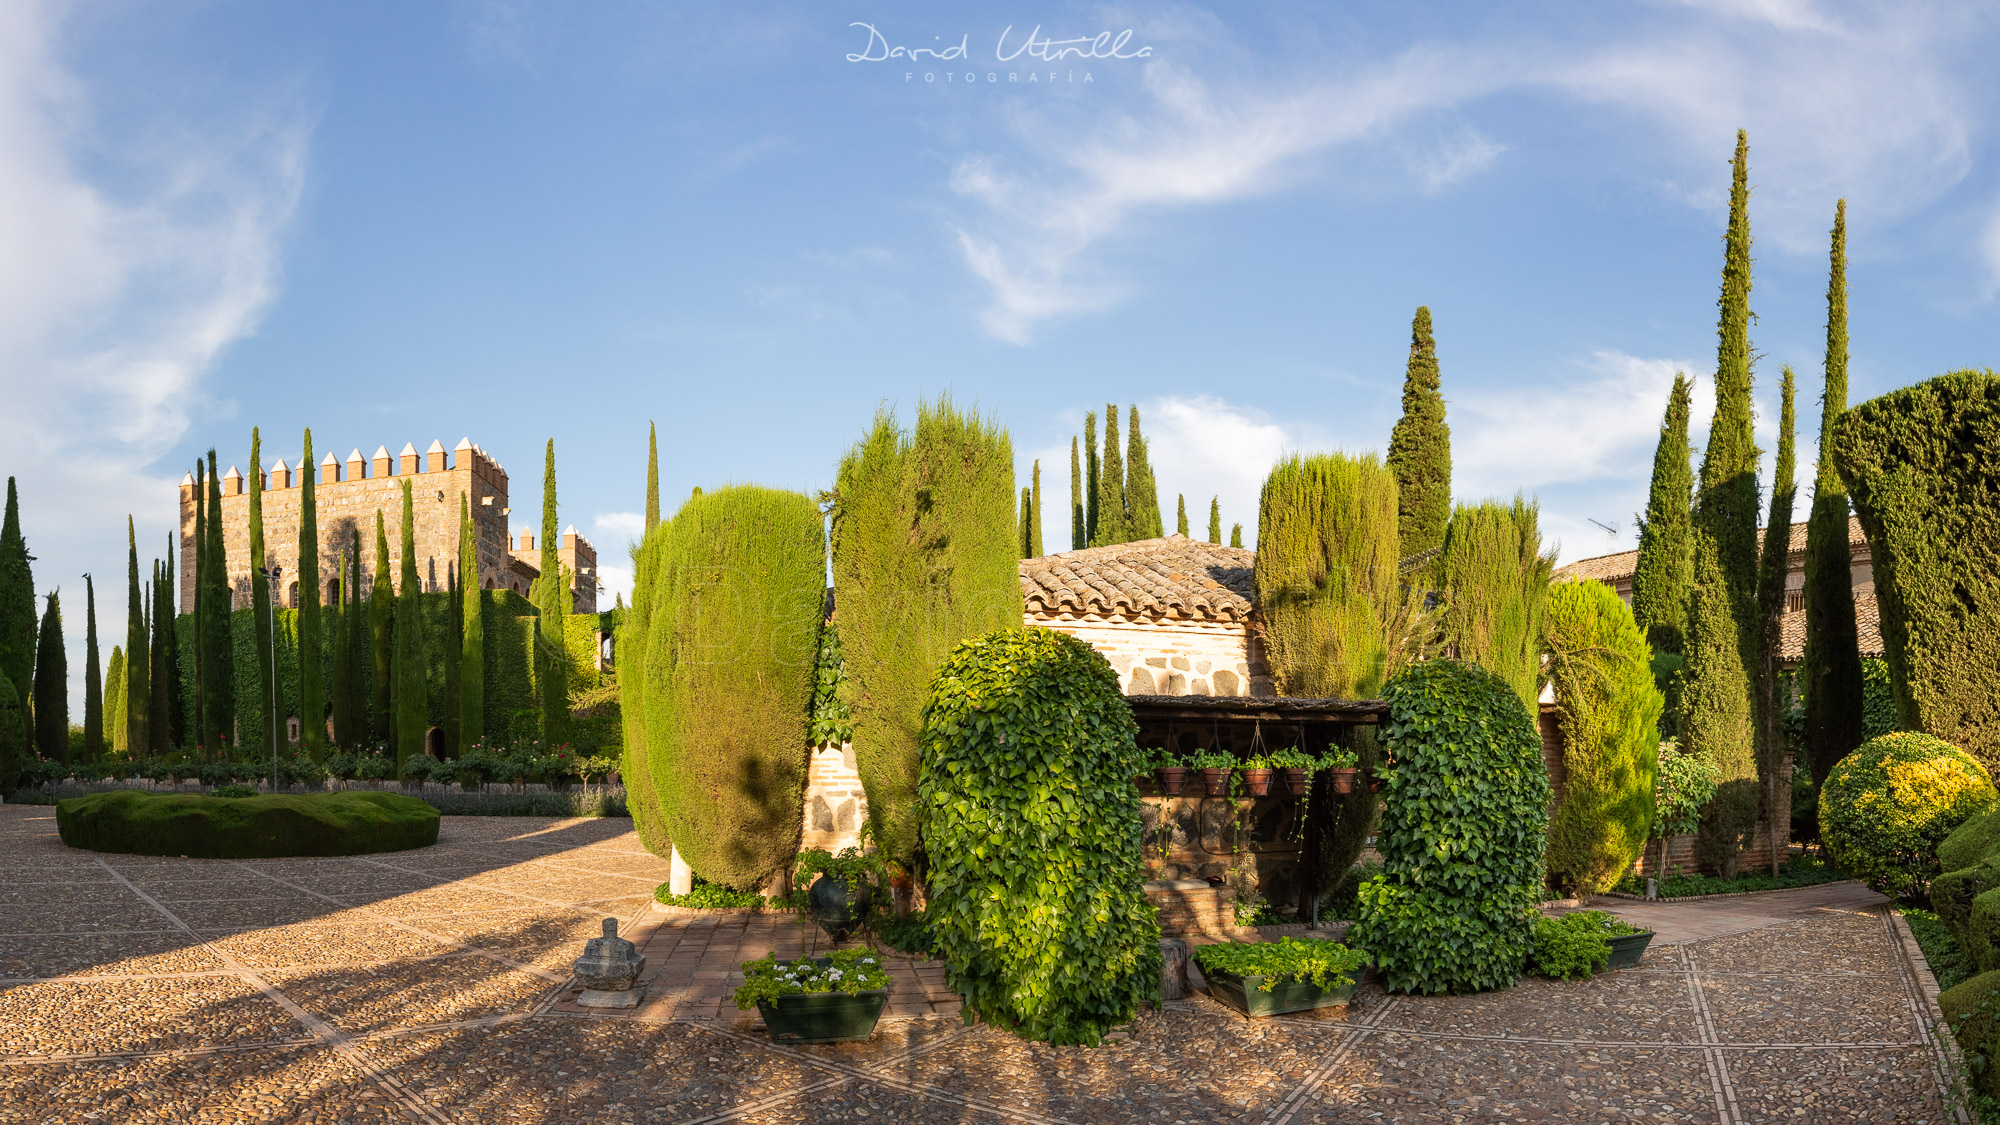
x: 186, y: 824
x: 1464, y: 821
x: 1031, y: 825
x: 1887, y: 807
x: 1972, y: 1011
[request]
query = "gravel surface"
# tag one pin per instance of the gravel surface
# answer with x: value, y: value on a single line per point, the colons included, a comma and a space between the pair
x: 375, y: 989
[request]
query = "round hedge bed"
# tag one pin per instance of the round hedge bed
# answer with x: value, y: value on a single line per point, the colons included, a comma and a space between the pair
x: 186, y: 824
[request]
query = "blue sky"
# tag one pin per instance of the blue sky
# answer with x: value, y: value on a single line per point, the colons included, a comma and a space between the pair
x: 517, y: 220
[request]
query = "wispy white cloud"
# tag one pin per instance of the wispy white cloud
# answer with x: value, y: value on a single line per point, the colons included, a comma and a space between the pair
x: 115, y: 301
x: 627, y: 524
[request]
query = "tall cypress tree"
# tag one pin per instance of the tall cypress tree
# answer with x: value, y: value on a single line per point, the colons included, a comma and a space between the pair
x: 312, y: 651
x: 114, y: 701
x: 1725, y: 513
x: 1180, y: 515
x: 1024, y: 527
x: 1772, y: 566
x: 551, y: 595
x: 381, y: 637
x: 1142, y: 495
x: 1112, y: 523
x: 136, y: 695
x: 52, y: 687
x: 218, y: 651
x: 93, y: 683
x: 260, y: 609
x: 341, y: 671
x: 1079, y: 535
x: 204, y: 732
x: 1091, y: 470
x: 652, y: 490
x: 360, y: 649
x: 1215, y: 520
x: 1420, y: 447
x: 454, y: 654
x: 471, y: 700
x: 1663, y: 576
x: 1832, y: 672
x: 1035, y: 511
x: 410, y: 659
x: 1236, y: 535
x: 164, y: 731
x: 17, y: 612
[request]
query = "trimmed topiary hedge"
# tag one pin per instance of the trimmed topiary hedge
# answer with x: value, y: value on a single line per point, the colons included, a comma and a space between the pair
x: 1887, y: 808
x: 185, y: 824
x: 1031, y: 823
x: 1920, y: 465
x: 1464, y: 822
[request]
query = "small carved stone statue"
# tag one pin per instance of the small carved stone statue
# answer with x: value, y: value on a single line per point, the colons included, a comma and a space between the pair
x: 607, y: 970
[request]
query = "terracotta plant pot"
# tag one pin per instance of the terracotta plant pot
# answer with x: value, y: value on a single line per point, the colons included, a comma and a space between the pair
x: 1171, y: 778
x: 1217, y: 782
x: 1256, y: 782
x: 1343, y: 780
x: 1298, y: 781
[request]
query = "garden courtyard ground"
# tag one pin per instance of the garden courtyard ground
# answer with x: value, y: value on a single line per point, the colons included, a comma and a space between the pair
x: 432, y: 986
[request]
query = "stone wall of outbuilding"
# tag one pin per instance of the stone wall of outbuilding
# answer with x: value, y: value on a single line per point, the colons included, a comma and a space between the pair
x: 1169, y: 657
x: 835, y: 807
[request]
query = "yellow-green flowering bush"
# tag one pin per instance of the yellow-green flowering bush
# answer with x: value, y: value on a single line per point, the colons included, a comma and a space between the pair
x: 1886, y: 807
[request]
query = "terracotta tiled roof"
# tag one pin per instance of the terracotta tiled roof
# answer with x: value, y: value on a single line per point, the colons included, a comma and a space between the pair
x: 1174, y: 577
x: 1610, y: 568
x: 1867, y: 625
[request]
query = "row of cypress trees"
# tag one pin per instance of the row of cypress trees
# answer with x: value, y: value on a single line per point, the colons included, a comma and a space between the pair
x: 1113, y: 497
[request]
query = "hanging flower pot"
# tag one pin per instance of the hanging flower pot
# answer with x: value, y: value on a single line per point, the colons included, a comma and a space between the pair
x: 1343, y: 779
x: 1216, y: 781
x: 1298, y: 781
x: 1256, y: 782
x: 1171, y: 778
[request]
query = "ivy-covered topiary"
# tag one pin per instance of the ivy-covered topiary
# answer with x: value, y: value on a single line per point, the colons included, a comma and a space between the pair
x: 1464, y: 823
x: 1031, y: 824
x: 1600, y: 667
x: 1887, y: 807
x: 738, y: 586
x: 1920, y: 465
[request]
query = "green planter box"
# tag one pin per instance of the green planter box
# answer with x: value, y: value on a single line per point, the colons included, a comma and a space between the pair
x: 1247, y: 995
x: 823, y: 1017
x: 1626, y: 951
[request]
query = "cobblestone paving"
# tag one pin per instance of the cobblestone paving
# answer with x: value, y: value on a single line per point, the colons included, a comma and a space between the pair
x: 433, y: 986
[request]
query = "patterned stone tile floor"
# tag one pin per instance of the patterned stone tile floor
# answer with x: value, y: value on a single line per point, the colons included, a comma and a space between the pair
x: 433, y: 986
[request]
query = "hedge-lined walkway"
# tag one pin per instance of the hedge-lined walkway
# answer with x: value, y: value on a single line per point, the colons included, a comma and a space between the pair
x: 426, y: 986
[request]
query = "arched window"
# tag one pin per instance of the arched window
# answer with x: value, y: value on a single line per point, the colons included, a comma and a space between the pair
x: 333, y: 591
x: 293, y: 595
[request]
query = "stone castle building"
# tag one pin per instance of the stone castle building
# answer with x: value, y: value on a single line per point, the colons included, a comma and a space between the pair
x: 346, y: 498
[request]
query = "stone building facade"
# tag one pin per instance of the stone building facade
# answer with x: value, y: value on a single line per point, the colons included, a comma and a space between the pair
x: 346, y: 497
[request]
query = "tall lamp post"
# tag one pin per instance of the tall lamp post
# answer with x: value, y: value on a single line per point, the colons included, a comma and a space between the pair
x: 271, y: 575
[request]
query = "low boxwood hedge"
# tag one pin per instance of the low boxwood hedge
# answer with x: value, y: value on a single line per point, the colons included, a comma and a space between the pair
x: 187, y: 824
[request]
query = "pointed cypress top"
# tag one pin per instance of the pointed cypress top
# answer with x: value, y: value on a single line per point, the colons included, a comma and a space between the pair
x: 1420, y: 447
x: 652, y: 477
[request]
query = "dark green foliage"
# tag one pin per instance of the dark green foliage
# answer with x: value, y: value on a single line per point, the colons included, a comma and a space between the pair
x: 1878, y: 699
x: 453, y: 657
x: 1236, y: 535
x: 1572, y: 947
x: 260, y: 606
x: 471, y: 701
x: 1024, y: 532
x: 137, y: 697
x: 922, y: 558
x: 1715, y: 698
x: 1215, y: 519
x: 1180, y: 515
x: 168, y: 721
x: 1773, y: 752
x: 93, y: 682
x: 184, y: 824
x: 381, y: 638
x: 1042, y: 924
x: 1833, y: 678
x: 634, y: 641
x: 312, y: 681
x: 52, y: 687
x: 1920, y: 463
x: 340, y: 672
x: 17, y: 607
x: 217, y: 653
x: 832, y: 722
x: 15, y: 751
x: 553, y: 601
x: 1948, y: 961
x: 652, y: 486
x: 1972, y: 1011
x: 1494, y: 579
x: 1464, y: 821
x: 1663, y: 577
x: 412, y: 653
x: 1326, y: 574
x: 201, y: 729
x: 1035, y: 511
x: 1800, y: 871
x: 1886, y: 808
x: 358, y: 656
x: 738, y: 589
x: 1112, y: 523
x: 1600, y: 667
x: 1420, y: 447
x: 1142, y: 494
x: 1079, y: 537
x: 1091, y: 469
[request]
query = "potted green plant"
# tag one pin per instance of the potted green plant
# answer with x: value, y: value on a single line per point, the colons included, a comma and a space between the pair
x: 1287, y: 975
x: 1214, y: 767
x: 1169, y: 771
x: 1296, y: 767
x: 833, y: 999
x: 1577, y: 945
x: 1256, y: 774
x: 843, y: 891
x: 1341, y: 764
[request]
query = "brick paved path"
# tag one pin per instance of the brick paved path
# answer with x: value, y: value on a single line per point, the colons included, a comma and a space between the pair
x: 432, y: 986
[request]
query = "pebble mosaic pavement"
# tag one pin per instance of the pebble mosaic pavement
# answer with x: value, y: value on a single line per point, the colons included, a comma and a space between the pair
x: 433, y: 986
